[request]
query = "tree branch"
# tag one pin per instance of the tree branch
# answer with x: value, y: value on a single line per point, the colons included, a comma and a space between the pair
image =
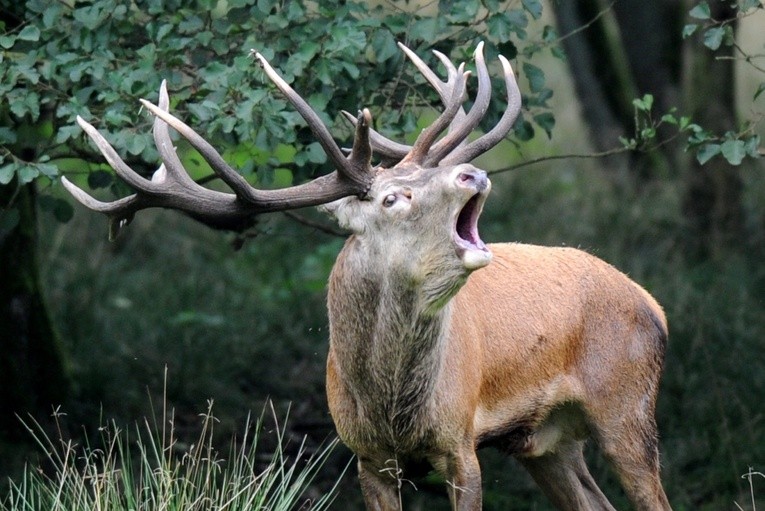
x: 602, y: 154
x: 319, y: 226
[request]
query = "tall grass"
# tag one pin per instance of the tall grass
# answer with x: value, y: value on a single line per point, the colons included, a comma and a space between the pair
x: 148, y: 467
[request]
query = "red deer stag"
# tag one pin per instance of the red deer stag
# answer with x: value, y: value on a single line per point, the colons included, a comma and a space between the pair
x: 434, y: 352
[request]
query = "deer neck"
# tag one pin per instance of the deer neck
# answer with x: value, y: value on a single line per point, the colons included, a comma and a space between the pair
x: 387, y: 337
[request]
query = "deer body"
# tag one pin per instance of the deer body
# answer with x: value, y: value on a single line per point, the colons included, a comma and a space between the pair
x: 434, y: 352
x: 536, y: 352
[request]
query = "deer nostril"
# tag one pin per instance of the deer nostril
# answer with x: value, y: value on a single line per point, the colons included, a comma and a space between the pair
x: 476, y: 178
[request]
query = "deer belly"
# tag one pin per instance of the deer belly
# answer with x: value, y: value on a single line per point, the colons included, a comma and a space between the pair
x: 532, y: 422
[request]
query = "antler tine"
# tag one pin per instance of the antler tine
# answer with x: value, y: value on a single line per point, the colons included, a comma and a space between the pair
x: 462, y: 128
x: 393, y: 151
x: 359, y: 176
x: 361, y: 153
x: 428, y: 136
x: 120, y: 212
x: 171, y: 163
x: 505, y: 124
x: 386, y: 147
x: 228, y: 175
x: 444, y: 88
x: 130, y: 176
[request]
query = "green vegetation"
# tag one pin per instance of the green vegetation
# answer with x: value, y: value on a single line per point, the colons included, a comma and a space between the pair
x: 245, y: 327
x: 148, y: 468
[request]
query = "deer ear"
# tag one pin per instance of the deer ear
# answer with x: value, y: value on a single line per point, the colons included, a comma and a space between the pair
x: 346, y: 212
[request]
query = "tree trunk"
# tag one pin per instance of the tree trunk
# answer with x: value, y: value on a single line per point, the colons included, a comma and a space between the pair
x: 713, y: 192
x: 625, y: 49
x: 33, y: 375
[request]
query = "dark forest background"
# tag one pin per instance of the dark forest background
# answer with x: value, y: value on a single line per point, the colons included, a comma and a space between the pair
x: 639, y: 143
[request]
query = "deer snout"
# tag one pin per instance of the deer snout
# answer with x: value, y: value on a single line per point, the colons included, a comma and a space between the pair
x: 473, y: 177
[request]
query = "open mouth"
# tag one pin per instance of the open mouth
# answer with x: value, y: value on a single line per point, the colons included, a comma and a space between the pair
x: 466, y: 226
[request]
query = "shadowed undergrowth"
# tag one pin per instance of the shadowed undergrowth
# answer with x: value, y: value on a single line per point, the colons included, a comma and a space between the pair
x: 149, y: 467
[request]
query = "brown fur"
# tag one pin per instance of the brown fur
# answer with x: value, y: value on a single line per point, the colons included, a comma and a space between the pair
x: 537, y: 351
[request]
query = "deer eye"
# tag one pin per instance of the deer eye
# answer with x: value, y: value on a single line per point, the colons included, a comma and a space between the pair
x: 389, y: 200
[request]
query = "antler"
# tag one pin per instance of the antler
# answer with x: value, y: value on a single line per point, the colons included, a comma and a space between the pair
x: 171, y: 186
x: 451, y: 149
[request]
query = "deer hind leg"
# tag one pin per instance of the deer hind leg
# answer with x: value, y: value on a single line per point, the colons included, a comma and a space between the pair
x: 463, y: 477
x: 380, y: 489
x: 563, y: 476
x: 631, y: 446
x: 464, y: 482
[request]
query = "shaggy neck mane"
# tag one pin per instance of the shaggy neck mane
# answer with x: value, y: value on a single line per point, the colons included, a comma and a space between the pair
x: 388, y: 341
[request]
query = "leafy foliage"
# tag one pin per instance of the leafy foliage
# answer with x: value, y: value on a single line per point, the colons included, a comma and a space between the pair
x: 96, y: 59
x: 716, y: 33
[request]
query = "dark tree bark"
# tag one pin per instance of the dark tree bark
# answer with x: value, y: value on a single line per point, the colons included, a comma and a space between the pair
x: 32, y: 369
x: 633, y: 47
x: 33, y: 372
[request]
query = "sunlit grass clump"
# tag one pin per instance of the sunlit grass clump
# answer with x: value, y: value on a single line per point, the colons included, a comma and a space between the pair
x: 147, y: 468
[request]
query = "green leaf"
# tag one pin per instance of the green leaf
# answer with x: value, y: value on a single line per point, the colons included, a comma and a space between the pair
x: 700, y: 12
x: 315, y: 153
x: 752, y: 146
x: 191, y: 25
x: 669, y: 119
x: 535, y: 76
x: 689, y: 30
x: 523, y: 129
x: 136, y: 144
x: 27, y: 173
x: 518, y: 21
x: 647, y: 133
x: 643, y: 104
x: 546, y: 121
x: 64, y: 133
x: 733, y: 151
x: 7, y: 172
x: 760, y: 90
x: 51, y: 14
x: 48, y: 170
x: 426, y: 28
x: 746, y: 5
x: 91, y: 17
x: 498, y: 27
x: 629, y: 143
x: 383, y: 46
x: 713, y: 37
x: 29, y: 33
x: 707, y: 152
x: 7, y: 42
x: 534, y: 7
x: 7, y: 136
x: 282, y: 177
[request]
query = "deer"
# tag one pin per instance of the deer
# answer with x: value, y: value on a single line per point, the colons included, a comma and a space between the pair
x: 440, y: 344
